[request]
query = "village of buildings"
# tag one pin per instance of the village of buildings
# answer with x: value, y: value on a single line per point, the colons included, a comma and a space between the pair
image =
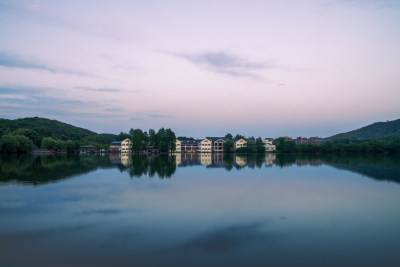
x: 201, y: 151
x: 209, y: 144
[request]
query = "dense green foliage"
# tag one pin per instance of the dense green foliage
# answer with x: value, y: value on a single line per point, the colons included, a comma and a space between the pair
x: 228, y: 146
x: 59, y: 145
x: 375, y: 130
x: 38, y: 128
x: 253, y: 146
x: 374, y: 145
x: 164, y: 140
x: 15, y: 144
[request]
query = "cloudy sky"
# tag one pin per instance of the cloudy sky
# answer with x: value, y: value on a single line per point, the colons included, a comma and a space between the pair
x: 203, y: 68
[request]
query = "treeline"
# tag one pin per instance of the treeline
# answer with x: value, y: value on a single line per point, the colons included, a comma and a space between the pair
x: 253, y: 145
x: 163, y: 140
x: 38, y: 128
x: 15, y: 144
x: 24, y: 135
x: 375, y: 130
x: 373, y: 145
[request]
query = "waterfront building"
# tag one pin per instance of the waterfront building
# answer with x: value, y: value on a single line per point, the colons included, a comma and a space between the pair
x: 240, y: 143
x: 205, y: 145
x: 189, y: 145
x: 115, y: 146
x: 217, y: 143
x: 126, y: 145
x: 178, y: 146
x: 87, y: 149
x: 269, y: 146
x: 301, y: 140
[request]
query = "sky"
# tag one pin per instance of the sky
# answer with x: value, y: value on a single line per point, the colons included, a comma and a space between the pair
x: 202, y: 68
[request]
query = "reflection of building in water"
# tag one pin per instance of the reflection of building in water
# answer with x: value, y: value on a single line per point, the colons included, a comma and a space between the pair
x: 115, y: 158
x: 305, y: 162
x: 189, y: 159
x: 205, y: 159
x: 316, y: 162
x: 126, y: 159
x: 218, y: 160
x: 178, y: 158
x: 240, y: 161
x: 269, y: 159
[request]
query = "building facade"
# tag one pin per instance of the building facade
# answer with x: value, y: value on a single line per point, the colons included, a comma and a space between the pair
x: 189, y: 145
x: 269, y: 146
x: 126, y: 145
x: 178, y: 146
x: 205, y: 146
x: 115, y: 146
x: 240, y: 143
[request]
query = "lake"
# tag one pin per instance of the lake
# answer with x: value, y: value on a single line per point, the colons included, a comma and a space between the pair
x: 200, y: 210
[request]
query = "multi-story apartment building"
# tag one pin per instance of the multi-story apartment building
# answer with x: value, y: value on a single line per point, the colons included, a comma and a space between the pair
x: 126, y: 145
x: 115, y: 146
x: 269, y: 146
x: 240, y: 143
x: 217, y: 143
x: 301, y: 140
x: 190, y: 145
x: 205, y: 145
x: 178, y: 147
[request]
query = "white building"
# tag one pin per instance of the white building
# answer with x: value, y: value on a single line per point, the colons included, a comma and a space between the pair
x: 240, y: 143
x: 178, y: 146
x: 269, y: 146
x: 205, y: 145
x: 126, y: 145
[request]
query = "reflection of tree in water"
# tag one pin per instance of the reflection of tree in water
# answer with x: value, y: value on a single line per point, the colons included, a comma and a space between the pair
x: 164, y: 166
x: 378, y: 167
x: 39, y: 170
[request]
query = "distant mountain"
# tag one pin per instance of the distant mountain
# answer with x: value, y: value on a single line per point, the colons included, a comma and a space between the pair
x: 38, y: 128
x: 375, y: 130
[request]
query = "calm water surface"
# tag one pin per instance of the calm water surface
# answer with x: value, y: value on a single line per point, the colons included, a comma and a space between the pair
x: 200, y: 210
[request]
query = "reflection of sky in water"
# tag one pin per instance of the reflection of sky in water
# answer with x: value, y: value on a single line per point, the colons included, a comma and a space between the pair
x: 296, y: 216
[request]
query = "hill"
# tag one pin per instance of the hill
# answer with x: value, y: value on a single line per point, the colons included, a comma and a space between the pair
x: 375, y: 130
x: 37, y: 128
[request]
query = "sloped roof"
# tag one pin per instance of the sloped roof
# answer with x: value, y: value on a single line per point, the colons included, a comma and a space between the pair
x: 189, y: 142
x: 213, y: 139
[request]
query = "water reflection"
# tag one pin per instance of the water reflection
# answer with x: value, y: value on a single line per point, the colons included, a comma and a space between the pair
x: 39, y: 170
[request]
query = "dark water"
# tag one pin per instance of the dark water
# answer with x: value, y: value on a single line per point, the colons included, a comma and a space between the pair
x: 200, y: 210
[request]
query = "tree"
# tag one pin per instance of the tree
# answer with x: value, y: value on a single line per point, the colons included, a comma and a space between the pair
x: 170, y: 140
x: 25, y: 144
x: 152, y: 138
x: 48, y: 143
x: 239, y: 136
x: 285, y: 146
x: 228, y: 146
x: 16, y: 144
x: 260, y: 148
x: 137, y: 140
x: 70, y: 146
x: 229, y: 136
x: 9, y: 144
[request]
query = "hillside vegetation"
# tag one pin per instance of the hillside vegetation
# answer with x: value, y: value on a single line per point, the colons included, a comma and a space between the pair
x: 375, y: 130
x: 38, y: 128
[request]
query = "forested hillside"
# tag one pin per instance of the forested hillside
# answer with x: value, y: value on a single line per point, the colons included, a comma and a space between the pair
x: 375, y: 130
x: 37, y: 128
